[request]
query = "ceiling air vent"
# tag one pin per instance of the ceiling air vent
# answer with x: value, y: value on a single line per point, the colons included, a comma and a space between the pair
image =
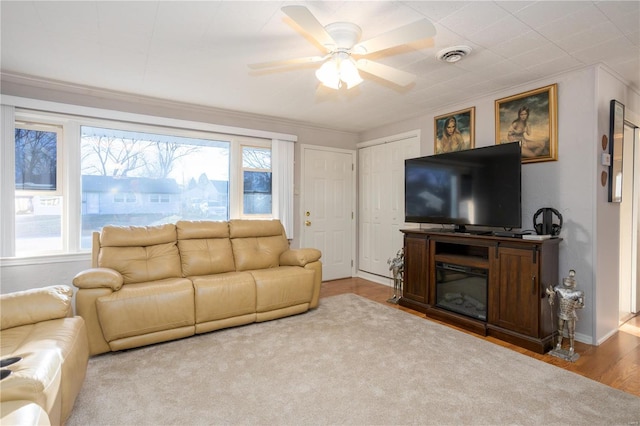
x: 453, y: 54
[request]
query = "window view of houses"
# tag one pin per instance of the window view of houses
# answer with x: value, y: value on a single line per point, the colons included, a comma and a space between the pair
x: 131, y: 178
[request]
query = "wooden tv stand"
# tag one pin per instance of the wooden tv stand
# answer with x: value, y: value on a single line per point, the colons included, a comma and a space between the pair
x: 518, y: 273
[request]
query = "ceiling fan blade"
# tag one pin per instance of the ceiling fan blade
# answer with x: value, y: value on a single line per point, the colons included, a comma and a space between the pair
x: 416, y: 31
x: 282, y: 63
x: 305, y: 19
x: 394, y: 75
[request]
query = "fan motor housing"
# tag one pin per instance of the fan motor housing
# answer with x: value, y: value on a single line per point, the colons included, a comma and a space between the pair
x: 345, y: 34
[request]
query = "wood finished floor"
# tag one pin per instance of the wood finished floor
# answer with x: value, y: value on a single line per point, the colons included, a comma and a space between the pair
x: 615, y: 363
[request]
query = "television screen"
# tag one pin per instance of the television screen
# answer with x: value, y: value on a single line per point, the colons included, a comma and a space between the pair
x: 479, y: 186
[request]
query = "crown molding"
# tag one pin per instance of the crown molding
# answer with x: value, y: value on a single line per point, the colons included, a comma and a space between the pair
x: 22, y: 85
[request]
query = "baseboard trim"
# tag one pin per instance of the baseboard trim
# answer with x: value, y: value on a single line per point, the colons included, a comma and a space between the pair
x: 375, y: 278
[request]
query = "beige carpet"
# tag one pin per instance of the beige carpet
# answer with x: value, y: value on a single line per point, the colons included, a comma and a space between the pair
x: 351, y: 361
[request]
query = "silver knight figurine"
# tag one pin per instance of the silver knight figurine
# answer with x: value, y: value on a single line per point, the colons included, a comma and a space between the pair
x: 396, y: 266
x: 569, y: 300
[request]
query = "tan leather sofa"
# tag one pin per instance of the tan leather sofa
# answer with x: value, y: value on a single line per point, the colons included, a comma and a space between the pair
x: 158, y: 283
x: 38, y: 328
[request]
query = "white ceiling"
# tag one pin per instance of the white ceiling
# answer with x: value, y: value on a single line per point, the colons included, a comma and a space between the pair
x: 198, y: 52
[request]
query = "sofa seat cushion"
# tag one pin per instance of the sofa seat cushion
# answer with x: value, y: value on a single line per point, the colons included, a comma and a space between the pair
x: 283, y: 286
x: 60, y: 334
x: 222, y: 296
x: 36, y: 377
x: 138, y: 309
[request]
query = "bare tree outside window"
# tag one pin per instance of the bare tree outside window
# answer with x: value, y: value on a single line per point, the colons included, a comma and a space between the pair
x: 112, y: 156
x: 36, y: 159
x: 38, y: 199
x: 167, y: 155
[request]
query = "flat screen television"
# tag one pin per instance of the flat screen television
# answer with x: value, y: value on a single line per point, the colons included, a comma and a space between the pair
x: 480, y: 186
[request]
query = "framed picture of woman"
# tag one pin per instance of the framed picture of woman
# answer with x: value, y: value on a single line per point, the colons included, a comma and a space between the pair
x: 532, y: 119
x: 454, y: 131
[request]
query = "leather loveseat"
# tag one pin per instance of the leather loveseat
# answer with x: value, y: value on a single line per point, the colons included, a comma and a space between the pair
x: 50, y: 352
x: 158, y: 283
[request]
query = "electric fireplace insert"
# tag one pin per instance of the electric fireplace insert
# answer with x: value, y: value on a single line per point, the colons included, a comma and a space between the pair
x: 462, y: 289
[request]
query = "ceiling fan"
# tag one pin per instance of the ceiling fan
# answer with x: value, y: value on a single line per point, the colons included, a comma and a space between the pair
x: 346, y: 54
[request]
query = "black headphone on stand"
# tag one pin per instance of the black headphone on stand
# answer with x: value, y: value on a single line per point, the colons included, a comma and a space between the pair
x: 547, y: 227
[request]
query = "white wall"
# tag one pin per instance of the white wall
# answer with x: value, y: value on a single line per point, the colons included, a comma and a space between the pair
x: 608, y: 214
x: 571, y: 185
x: 46, y: 272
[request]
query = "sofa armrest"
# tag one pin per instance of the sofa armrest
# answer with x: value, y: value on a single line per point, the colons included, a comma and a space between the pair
x: 35, y: 305
x: 299, y: 257
x: 99, y: 278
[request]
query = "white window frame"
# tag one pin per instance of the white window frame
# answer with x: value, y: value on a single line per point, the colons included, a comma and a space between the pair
x: 71, y: 117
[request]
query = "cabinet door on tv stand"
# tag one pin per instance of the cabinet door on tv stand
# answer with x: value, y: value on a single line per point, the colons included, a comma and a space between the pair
x: 513, y: 293
x: 416, y: 269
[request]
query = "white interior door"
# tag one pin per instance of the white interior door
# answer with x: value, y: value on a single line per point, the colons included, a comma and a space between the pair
x: 328, y: 207
x: 381, y: 201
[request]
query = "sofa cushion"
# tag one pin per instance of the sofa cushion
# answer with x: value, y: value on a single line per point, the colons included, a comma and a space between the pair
x: 131, y: 236
x: 188, y: 230
x: 224, y: 296
x: 142, y: 263
x: 282, y: 287
x: 242, y: 228
x: 257, y: 253
x: 206, y: 256
x: 138, y: 309
x: 257, y: 244
x: 35, y: 305
x: 140, y: 253
x: 204, y: 248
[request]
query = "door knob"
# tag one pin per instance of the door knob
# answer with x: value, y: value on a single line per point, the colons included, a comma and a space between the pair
x: 307, y: 222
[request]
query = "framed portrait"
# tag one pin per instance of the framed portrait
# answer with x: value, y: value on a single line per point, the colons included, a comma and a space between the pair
x: 532, y: 119
x: 454, y: 131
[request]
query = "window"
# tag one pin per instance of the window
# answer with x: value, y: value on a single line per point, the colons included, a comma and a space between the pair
x: 38, y: 198
x: 126, y: 170
x: 143, y: 178
x: 124, y: 197
x: 36, y: 157
x: 256, y: 178
x: 159, y: 198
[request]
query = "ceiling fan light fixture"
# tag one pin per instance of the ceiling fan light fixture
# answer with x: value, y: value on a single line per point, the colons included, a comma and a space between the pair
x: 341, y: 68
x: 328, y: 74
x: 349, y: 73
